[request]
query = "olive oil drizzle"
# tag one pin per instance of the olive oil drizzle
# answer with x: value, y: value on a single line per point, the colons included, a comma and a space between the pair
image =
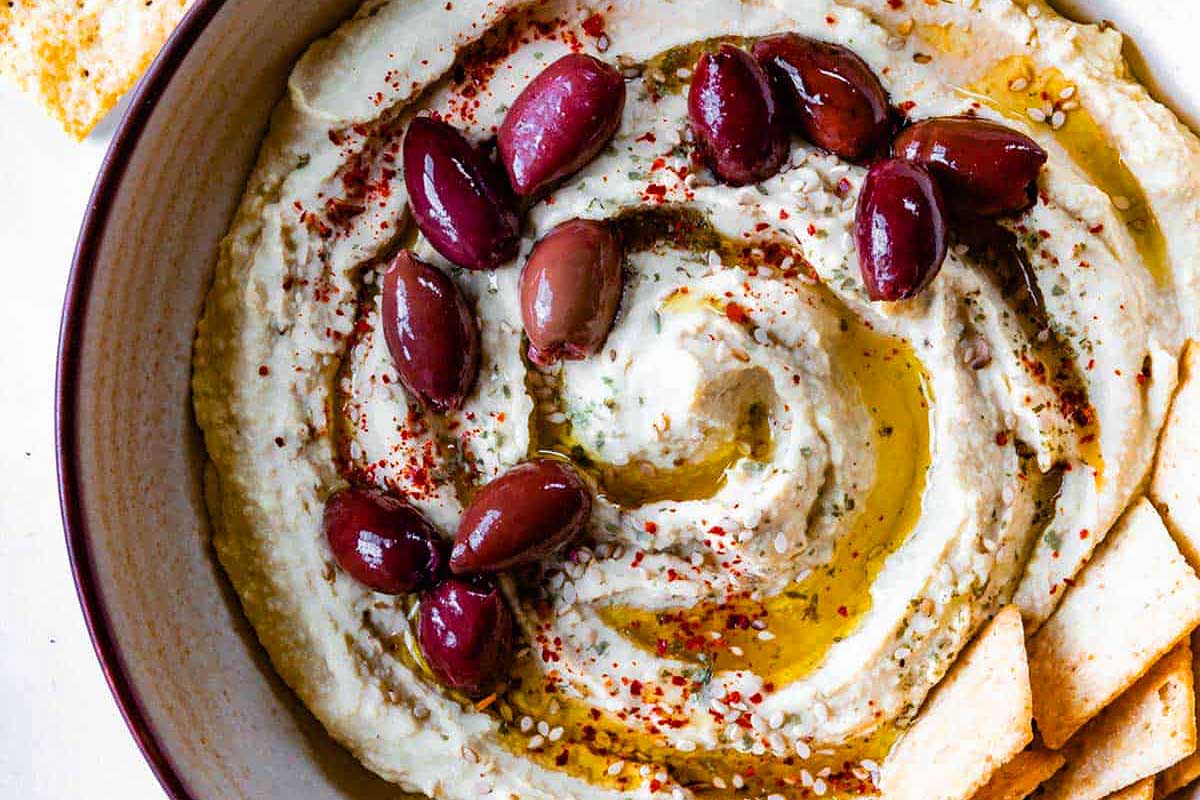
x: 1086, y: 142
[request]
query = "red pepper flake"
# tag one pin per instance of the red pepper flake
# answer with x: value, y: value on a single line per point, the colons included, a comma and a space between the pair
x: 264, y: 370
x: 635, y: 688
x: 651, y: 526
x: 830, y: 20
x: 908, y: 105
x: 736, y: 313
x: 843, y: 611
x: 656, y: 190
x: 637, y: 559
x: 648, y: 136
x: 560, y: 760
x: 1099, y: 226
x: 812, y: 229
x: 756, y: 698
x: 279, y: 441
x: 1083, y: 534
x: 594, y: 25
x: 783, y: 214
x: 895, y: 4
x: 1002, y: 438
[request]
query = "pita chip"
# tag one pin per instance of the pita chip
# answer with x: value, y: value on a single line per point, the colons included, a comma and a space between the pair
x: 1175, y: 484
x: 1135, y: 601
x: 1018, y: 778
x: 79, y: 56
x: 1142, y: 790
x: 1146, y: 730
x: 976, y: 720
x: 1187, y: 770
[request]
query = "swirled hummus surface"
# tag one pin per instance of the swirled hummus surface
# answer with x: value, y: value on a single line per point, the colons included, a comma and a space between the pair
x: 806, y: 503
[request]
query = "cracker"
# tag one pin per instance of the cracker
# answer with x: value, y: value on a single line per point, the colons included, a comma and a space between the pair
x: 79, y: 56
x: 1175, y: 485
x: 1142, y: 790
x: 1135, y: 601
x: 1146, y: 730
x: 976, y: 720
x: 1187, y: 770
x: 1017, y: 779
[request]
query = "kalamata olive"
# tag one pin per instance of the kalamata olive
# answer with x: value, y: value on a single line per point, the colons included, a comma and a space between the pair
x: 734, y: 117
x: 570, y: 288
x: 522, y: 516
x: 382, y: 541
x: 465, y: 631
x: 430, y: 331
x: 899, y: 229
x: 560, y: 121
x: 459, y: 198
x: 828, y: 92
x: 985, y: 169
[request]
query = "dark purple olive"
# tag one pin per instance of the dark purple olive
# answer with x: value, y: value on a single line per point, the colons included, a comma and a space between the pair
x: 899, y: 229
x: 570, y: 289
x: 430, y: 331
x: 465, y: 631
x: 829, y: 93
x: 383, y: 542
x: 984, y: 168
x: 458, y: 197
x: 560, y: 121
x: 734, y: 117
x: 521, y: 517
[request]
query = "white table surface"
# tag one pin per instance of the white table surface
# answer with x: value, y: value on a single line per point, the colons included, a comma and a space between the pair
x: 61, y: 735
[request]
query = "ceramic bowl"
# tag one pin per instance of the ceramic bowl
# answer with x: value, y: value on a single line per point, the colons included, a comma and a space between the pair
x: 196, y: 690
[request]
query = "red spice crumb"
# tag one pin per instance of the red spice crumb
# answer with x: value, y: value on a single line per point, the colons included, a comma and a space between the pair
x: 593, y: 25
x: 843, y: 611
x: 279, y: 441
x: 896, y: 4
x: 1083, y: 534
x: 1002, y: 438
x: 560, y: 760
x: 829, y: 19
x: 264, y: 370
x: 1099, y: 226
x: 648, y: 136
x: 812, y: 229
x: 908, y: 105
x: 736, y: 313
x: 783, y: 214
x: 756, y: 698
x: 635, y: 688
x: 760, y: 227
x: 651, y: 526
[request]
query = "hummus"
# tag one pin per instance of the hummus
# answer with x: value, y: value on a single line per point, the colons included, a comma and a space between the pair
x: 807, y: 503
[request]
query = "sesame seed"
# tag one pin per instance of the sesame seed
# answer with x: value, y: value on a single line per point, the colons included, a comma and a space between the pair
x: 895, y: 43
x: 775, y: 797
x: 1070, y: 105
x: 759, y: 625
x: 526, y: 724
x: 1036, y: 114
x: 738, y: 781
x: 1019, y: 84
x: 758, y: 723
x: 615, y: 768
x: 870, y: 765
x: 765, y: 636
x: 802, y: 748
x: 686, y: 745
x: 818, y: 787
x: 1066, y: 93
x: 737, y: 651
x: 644, y: 770
x: 776, y: 720
x: 1121, y: 202
x: 536, y: 742
x: 1057, y: 120
x: 720, y: 783
x: 543, y: 727
x: 555, y: 734
x: 1034, y: 11
x: 781, y: 544
x: 683, y: 73
x: 806, y: 778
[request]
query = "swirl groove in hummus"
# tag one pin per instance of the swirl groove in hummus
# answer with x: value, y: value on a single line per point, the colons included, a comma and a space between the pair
x: 807, y: 503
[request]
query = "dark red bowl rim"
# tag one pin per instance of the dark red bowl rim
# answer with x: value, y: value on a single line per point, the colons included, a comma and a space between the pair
x: 67, y: 384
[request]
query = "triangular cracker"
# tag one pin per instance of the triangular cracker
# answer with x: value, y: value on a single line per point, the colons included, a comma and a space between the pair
x: 1133, y: 602
x: 1147, y: 729
x: 1017, y: 779
x: 1142, y: 790
x: 1175, y: 486
x: 976, y: 720
x: 79, y: 56
x: 1187, y: 770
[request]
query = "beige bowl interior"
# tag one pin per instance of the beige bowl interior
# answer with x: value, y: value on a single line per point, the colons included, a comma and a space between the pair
x: 214, y: 719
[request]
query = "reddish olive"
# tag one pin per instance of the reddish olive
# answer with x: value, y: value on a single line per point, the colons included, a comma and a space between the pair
x: 465, y: 631
x: 431, y: 332
x: 570, y: 289
x: 899, y: 229
x: 560, y: 121
x: 459, y: 198
x: 522, y: 516
x: 829, y: 93
x: 984, y: 168
x: 734, y: 117
x: 383, y: 542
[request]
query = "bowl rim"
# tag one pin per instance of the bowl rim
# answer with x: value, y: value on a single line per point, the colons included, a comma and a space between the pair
x: 84, y: 264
